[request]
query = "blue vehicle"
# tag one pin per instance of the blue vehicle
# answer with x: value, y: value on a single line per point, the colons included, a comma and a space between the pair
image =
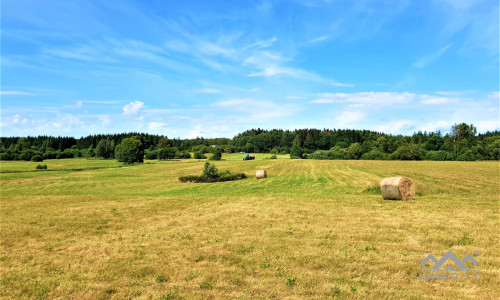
x: 249, y: 157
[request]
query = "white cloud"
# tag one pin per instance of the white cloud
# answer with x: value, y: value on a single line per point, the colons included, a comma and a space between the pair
x: 366, y: 98
x: 158, y: 111
x: 349, y: 117
x: 428, y: 59
x: 494, y: 96
x: 195, y: 132
x: 79, y: 104
x: 156, y: 125
x: 340, y: 84
x: 454, y: 93
x: 426, y: 99
x: 395, y: 127
x: 272, y: 71
x: 443, y: 126
x: 258, y: 109
x: 15, y: 93
x: 207, y: 91
x: 319, y: 39
x: 322, y: 101
x: 15, y: 119
x: 262, y: 44
x: 132, y: 108
x: 483, y: 126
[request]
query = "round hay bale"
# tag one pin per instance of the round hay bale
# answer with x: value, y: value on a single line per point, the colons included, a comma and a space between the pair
x: 397, y: 188
x: 261, y: 174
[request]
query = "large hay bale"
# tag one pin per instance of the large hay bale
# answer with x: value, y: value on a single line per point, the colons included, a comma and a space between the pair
x: 261, y: 174
x: 397, y: 188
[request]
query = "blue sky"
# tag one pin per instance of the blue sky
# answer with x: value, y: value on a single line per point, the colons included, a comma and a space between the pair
x: 216, y: 68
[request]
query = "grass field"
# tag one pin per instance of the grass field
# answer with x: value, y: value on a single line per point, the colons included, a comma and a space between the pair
x: 94, y: 229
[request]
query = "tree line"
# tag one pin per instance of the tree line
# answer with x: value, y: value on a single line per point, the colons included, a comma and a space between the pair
x: 462, y: 143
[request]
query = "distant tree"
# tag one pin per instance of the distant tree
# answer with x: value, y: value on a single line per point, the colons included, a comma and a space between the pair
x: 250, y: 148
x: 210, y: 170
x: 408, y: 152
x: 296, y: 152
x: 375, y: 154
x: 493, y: 149
x: 354, y: 151
x: 37, y: 158
x: 217, y: 155
x: 163, y: 143
x: 167, y: 153
x: 463, y: 136
x: 199, y: 155
x: 100, y: 149
x: 129, y: 151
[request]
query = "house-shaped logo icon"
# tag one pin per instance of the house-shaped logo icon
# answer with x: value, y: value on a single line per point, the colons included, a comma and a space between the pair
x: 450, y: 256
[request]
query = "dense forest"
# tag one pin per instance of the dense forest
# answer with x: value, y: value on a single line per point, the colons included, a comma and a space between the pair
x: 462, y: 143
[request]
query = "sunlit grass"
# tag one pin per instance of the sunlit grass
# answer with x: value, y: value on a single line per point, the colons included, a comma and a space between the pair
x: 311, y: 229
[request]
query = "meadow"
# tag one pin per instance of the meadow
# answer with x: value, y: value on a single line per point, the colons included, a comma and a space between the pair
x: 95, y: 229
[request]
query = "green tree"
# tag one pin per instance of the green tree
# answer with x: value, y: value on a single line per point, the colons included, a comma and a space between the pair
x: 100, y: 149
x: 163, y: 143
x: 210, y: 170
x: 355, y: 151
x: 129, y: 151
x: 296, y: 152
x: 462, y: 137
x: 167, y: 153
x: 217, y: 155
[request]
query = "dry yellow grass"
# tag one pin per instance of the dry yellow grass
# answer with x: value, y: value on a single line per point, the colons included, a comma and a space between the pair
x: 312, y: 229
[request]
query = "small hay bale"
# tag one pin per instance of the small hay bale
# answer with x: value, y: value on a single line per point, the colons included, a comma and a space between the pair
x: 397, y: 188
x: 261, y: 174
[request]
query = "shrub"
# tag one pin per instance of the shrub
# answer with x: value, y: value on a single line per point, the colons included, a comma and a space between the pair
x: 273, y: 157
x: 199, y: 155
x: 129, y: 151
x: 296, y: 152
x: 210, y: 170
x: 321, y: 154
x: 151, y: 155
x: 374, y: 155
x: 467, y: 156
x: 41, y: 167
x: 166, y: 153
x: 183, y: 155
x: 211, y: 174
x: 26, y: 155
x: 438, y: 155
x: 37, y: 158
x: 408, y: 152
x: 217, y: 155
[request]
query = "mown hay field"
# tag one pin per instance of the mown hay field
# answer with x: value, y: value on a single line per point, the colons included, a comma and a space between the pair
x: 94, y: 229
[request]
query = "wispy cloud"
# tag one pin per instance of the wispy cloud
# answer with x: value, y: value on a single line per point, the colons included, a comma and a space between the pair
x: 340, y: 84
x: 349, y: 117
x: 262, y: 44
x: 319, y: 39
x: 430, y: 58
x: 258, y: 109
x: 366, y: 98
x: 207, y: 91
x: 101, y: 101
x: 15, y: 93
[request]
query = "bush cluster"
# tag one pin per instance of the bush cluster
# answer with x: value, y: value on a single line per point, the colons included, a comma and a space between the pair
x: 41, y: 167
x: 211, y: 174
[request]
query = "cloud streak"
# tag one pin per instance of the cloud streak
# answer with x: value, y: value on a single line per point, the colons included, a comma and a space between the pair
x: 421, y: 63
